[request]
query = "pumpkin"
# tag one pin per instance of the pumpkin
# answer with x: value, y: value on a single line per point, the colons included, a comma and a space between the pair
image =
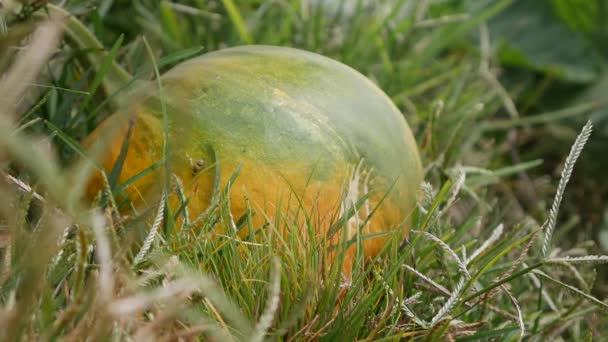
x: 308, y: 133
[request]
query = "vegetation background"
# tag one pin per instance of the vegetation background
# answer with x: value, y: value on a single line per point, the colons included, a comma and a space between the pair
x: 496, y: 92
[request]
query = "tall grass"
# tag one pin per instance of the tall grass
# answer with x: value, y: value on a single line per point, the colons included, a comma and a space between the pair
x: 476, y: 266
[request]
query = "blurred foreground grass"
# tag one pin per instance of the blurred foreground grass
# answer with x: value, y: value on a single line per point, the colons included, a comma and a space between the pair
x: 481, y: 263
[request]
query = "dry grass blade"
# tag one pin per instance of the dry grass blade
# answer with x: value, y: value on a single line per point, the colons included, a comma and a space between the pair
x: 587, y: 259
x: 104, y: 257
x: 28, y: 64
x: 17, y: 311
x: 412, y: 299
x: 427, y: 279
x: 496, y: 234
x: 272, y: 303
x: 448, y: 249
x: 427, y: 197
x: 22, y: 186
x: 520, y: 315
x: 446, y: 309
x: 158, y: 220
x: 136, y: 304
x: 409, y: 313
x: 575, y: 152
x: 64, y: 238
x: 460, y: 179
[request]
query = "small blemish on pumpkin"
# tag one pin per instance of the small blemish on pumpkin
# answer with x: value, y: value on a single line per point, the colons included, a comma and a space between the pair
x: 197, y: 166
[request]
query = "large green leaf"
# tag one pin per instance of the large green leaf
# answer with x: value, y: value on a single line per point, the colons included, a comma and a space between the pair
x: 587, y: 16
x: 531, y: 35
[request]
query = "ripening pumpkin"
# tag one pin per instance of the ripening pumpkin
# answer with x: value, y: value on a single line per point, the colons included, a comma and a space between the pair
x: 309, y: 133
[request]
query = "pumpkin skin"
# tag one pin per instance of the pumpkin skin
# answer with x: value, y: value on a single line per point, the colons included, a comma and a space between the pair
x: 309, y: 133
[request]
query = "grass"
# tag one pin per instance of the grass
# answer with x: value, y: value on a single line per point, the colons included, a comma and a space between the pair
x: 477, y: 265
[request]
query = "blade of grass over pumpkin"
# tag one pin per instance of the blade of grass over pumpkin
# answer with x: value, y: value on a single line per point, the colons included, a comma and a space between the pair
x: 355, y: 210
x: 377, y: 206
x: 168, y: 224
x: 237, y: 20
x: 168, y: 60
x: 215, y: 191
x: 343, y: 221
x: 359, y: 239
x: 122, y: 156
x: 330, y: 297
x: 232, y: 179
x: 184, y: 201
x: 223, y: 200
x: 165, y: 117
x: 244, y: 221
x: 120, y: 188
x: 299, y: 197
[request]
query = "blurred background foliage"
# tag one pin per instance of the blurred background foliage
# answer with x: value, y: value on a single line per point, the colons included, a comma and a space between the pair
x: 558, y: 51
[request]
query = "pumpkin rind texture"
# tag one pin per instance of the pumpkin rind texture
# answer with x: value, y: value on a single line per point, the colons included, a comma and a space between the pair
x: 309, y: 133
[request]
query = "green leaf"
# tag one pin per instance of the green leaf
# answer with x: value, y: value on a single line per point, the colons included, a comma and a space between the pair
x: 530, y: 35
